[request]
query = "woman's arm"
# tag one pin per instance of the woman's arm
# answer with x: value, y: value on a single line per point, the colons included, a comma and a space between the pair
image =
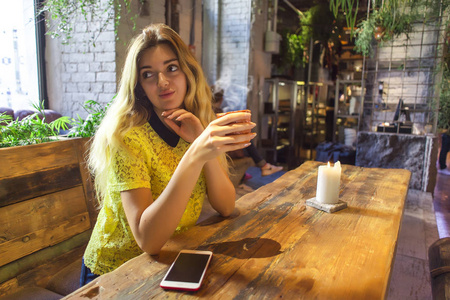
x: 220, y: 189
x: 153, y: 223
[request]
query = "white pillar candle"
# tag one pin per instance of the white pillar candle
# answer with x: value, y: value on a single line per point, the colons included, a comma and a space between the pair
x: 328, y: 182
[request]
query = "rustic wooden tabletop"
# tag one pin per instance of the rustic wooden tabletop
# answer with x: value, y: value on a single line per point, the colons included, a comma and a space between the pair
x: 275, y: 246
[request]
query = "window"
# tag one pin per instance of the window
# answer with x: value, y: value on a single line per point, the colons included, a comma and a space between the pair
x: 18, y: 59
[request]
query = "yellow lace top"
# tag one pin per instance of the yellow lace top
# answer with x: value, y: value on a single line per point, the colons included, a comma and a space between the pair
x: 151, y: 165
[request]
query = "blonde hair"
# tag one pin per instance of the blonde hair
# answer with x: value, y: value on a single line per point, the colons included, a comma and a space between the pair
x: 131, y: 108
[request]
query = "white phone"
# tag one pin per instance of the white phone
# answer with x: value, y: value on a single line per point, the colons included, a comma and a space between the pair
x: 187, y: 271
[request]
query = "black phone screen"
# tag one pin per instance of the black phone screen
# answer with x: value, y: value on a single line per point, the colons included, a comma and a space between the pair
x: 188, y: 267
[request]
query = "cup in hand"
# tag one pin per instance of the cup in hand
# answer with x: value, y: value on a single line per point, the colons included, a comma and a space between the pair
x: 246, y: 119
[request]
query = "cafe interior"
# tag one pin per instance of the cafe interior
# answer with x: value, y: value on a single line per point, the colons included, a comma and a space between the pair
x: 363, y: 85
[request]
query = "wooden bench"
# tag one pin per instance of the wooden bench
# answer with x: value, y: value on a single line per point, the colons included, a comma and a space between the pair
x: 47, y: 211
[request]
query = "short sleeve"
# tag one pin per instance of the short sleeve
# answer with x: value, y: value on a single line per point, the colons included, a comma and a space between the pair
x: 129, y: 169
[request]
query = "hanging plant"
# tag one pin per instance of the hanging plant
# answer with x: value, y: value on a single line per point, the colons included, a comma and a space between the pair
x: 387, y: 20
x: 62, y: 15
x: 350, y: 10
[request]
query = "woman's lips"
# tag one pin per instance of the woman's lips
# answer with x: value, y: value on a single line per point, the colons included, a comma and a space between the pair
x: 166, y: 94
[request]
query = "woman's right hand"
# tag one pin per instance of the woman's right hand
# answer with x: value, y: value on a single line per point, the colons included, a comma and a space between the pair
x: 223, y: 135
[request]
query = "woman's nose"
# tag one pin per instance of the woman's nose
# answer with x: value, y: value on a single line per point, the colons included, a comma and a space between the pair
x: 162, y: 80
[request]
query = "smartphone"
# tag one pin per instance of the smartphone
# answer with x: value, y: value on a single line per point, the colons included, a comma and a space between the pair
x: 187, y: 271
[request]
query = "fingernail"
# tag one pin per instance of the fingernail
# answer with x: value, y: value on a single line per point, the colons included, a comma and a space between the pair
x: 163, y: 114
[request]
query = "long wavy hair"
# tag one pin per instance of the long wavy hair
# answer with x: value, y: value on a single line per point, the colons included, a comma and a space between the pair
x: 132, y: 108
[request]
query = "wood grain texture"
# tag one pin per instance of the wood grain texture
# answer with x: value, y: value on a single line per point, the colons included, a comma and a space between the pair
x: 88, y: 182
x: 33, y: 158
x: 274, y: 246
x: 24, y: 187
x: 29, y: 226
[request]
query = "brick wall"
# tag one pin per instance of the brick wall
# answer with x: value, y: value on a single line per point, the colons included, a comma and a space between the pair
x: 87, y: 71
x: 234, y: 52
x: 81, y: 71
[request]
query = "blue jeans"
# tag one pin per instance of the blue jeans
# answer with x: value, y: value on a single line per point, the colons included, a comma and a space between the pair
x: 445, y: 147
x: 86, y: 274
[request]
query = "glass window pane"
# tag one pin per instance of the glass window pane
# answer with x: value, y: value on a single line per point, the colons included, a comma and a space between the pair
x: 18, y: 62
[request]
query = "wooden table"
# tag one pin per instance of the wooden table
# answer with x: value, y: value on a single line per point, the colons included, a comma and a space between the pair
x: 274, y: 246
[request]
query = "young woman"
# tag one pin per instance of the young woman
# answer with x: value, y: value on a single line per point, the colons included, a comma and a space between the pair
x: 158, y: 152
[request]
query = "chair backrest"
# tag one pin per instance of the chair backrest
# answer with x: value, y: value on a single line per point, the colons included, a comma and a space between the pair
x: 46, y: 197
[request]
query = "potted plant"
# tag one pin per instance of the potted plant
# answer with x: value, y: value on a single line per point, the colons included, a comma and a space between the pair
x: 32, y: 129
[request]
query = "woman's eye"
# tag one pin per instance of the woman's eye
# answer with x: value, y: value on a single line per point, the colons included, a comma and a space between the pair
x: 172, y: 68
x: 147, y: 75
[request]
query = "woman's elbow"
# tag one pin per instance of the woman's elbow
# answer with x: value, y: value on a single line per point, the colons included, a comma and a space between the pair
x: 149, y: 247
x: 228, y: 210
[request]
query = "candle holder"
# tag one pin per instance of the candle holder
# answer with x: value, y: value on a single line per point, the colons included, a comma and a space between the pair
x: 328, y: 186
x: 329, y: 208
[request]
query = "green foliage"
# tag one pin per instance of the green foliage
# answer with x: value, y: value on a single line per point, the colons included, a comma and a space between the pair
x: 62, y: 16
x: 349, y: 8
x: 295, y: 48
x: 319, y: 24
x: 365, y: 35
x: 88, y: 127
x: 33, y: 129
x: 30, y: 130
x: 395, y: 17
x: 444, y: 97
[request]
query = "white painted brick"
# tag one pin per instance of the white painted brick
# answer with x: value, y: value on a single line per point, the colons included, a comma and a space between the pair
x: 65, y: 57
x: 105, y: 57
x: 103, y: 47
x: 71, y: 67
x: 83, y: 87
x: 71, y: 87
x: 109, y: 67
x: 106, y: 77
x: 66, y: 77
x: 80, y: 98
x: 83, y: 68
x: 81, y: 47
x: 97, y: 87
x: 95, y: 66
x: 109, y: 87
x: 83, y: 77
x: 106, y: 36
x: 81, y: 58
x: 105, y: 97
x: 80, y: 27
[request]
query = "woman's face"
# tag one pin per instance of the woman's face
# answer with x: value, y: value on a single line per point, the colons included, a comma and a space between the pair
x: 161, y: 78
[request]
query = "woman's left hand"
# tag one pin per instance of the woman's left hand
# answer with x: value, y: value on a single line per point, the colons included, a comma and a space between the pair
x: 183, y: 123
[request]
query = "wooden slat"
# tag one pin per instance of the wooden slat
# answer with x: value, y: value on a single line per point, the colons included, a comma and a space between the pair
x: 31, y: 225
x: 20, y: 188
x: 41, y: 258
x: 23, y: 160
x: 41, y: 274
x: 8, y: 287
